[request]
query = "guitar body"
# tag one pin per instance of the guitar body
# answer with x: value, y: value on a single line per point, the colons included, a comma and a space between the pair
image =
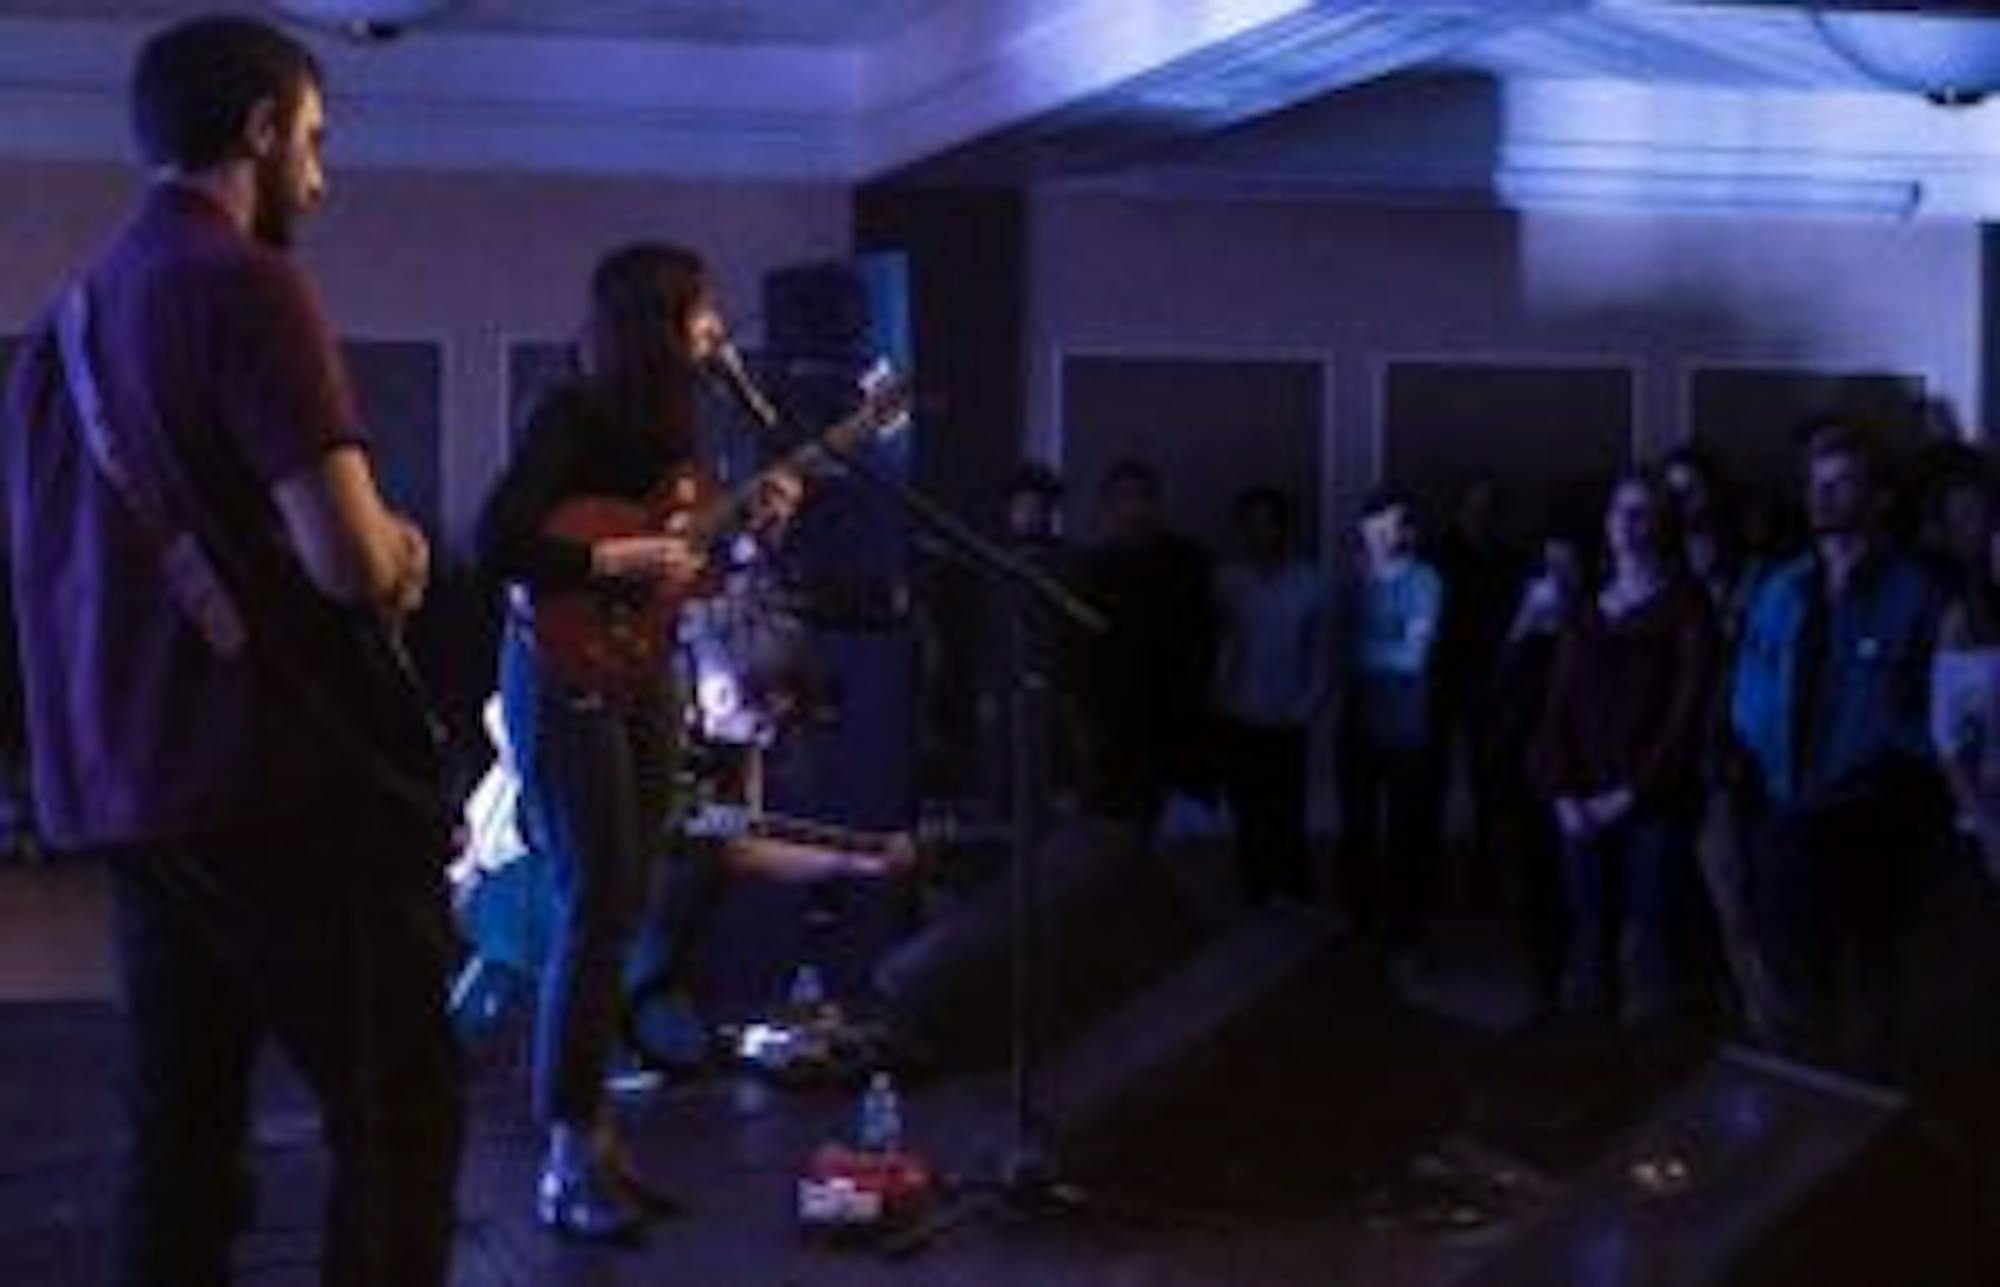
x: 614, y: 637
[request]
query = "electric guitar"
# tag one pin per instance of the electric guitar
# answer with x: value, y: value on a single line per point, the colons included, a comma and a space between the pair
x: 612, y: 636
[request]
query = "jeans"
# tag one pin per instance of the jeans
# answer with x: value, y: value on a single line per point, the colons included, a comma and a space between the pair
x: 659, y: 1024
x: 333, y: 937
x: 1834, y: 886
x: 1635, y: 875
x: 1389, y: 835
x: 597, y: 790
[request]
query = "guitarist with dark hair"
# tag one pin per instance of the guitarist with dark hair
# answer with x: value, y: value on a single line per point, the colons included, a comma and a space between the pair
x: 198, y: 551
x: 589, y: 526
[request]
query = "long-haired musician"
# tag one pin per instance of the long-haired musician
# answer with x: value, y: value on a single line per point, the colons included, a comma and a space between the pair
x: 598, y: 766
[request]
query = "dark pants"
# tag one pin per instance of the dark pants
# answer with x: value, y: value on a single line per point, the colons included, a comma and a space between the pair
x: 1263, y: 770
x: 660, y: 975
x: 1833, y: 887
x: 1464, y: 736
x: 334, y: 938
x: 1634, y: 878
x: 1125, y: 763
x: 1528, y: 844
x: 597, y: 787
x: 1389, y: 834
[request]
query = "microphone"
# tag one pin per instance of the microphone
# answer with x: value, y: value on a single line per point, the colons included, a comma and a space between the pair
x: 728, y: 363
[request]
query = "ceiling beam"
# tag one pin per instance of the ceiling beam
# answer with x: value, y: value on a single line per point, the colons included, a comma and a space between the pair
x: 1185, y: 88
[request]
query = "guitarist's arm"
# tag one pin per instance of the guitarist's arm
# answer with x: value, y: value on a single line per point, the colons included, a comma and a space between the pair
x: 544, y: 472
x: 646, y: 558
x: 791, y: 861
x: 353, y: 546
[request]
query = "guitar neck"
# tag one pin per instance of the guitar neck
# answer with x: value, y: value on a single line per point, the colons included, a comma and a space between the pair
x: 733, y: 821
x: 725, y: 511
x: 825, y: 835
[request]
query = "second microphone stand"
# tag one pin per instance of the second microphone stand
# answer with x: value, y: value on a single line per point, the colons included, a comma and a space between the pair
x: 1028, y: 1179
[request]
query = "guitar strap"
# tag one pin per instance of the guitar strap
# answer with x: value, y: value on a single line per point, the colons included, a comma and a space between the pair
x: 149, y: 483
x: 192, y: 579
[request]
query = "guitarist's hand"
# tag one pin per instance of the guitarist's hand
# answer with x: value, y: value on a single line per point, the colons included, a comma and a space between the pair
x: 899, y: 854
x: 413, y: 577
x: 775, y: 500
x: 647, y: 558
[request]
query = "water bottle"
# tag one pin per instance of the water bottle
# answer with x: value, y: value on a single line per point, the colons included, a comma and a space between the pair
x: 880, y: 1128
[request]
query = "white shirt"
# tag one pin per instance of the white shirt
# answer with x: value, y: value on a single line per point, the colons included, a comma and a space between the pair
x: 1965, y: 720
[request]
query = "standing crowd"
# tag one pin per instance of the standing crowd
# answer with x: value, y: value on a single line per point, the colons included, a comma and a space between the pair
x: 1717, y: 774
x: 1710, y: 766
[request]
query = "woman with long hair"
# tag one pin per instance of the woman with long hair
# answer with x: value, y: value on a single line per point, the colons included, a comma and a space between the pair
x: 1618, y: 753
x: 597, y: 767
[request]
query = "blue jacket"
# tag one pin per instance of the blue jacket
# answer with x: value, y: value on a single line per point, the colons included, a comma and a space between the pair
x: 1875, y: 690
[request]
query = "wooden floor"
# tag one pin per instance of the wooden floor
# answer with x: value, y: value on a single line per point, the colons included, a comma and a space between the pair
x: 1332, y: 1134
x: 729, y: 1146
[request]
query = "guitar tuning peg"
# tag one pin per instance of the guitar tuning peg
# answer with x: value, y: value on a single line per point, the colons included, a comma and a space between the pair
x: 877, y: 375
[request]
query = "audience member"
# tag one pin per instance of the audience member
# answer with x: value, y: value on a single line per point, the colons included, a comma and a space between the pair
x: 1137, y: 695
x: 1525, y: 837
x: 1716, y: 555
x: 1831, y: 700
x: 1389, y: 615
x: 1618, y: 753
x: 1272, y: 676
x: 1481, y: 573
x: 1965, y: 684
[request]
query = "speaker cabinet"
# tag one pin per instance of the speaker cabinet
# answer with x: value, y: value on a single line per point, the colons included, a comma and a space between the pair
x: 1758, y: 1171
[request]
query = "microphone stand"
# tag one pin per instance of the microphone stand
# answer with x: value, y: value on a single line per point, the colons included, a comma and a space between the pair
x: 1029, y: 1178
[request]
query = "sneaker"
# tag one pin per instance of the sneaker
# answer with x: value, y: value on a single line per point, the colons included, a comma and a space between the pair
x: 633, y: 1079
x: 586, y: 1205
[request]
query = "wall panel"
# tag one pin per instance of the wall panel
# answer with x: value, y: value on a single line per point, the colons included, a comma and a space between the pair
x: 1211, y: 426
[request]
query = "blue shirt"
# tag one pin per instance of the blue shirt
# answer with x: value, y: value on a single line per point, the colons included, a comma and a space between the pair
x: 1828, y: 692
x: 1392, y: 628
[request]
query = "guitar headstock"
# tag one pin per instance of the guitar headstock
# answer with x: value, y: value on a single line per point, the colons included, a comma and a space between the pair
x: 884, y: 411
x: 885, y: 402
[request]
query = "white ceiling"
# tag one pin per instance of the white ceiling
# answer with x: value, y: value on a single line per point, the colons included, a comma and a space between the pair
x: 1650, y: 103
x: 781, y: 21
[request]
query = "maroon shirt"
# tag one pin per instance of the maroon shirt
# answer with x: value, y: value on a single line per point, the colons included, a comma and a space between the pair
x: 137, y: 730
x: 1628, y: 701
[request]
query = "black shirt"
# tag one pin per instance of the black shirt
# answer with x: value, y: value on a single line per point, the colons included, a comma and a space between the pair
x: 574, y: 446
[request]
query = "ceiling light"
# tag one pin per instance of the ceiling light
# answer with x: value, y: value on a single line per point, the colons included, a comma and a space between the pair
x: 1952, y: 61
x: 368, y: 21
x: 1528, y: 187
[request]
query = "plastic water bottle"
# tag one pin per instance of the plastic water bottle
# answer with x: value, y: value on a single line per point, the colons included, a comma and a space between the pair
x: 880, y: 1128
